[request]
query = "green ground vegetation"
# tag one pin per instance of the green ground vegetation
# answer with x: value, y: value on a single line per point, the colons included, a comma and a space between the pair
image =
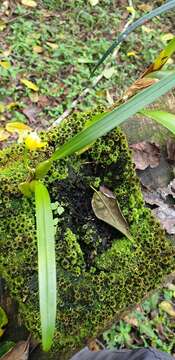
x: 151, y: 324
x: 56, y: 45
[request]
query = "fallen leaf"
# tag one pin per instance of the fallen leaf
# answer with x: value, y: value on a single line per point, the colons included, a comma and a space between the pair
x: 132, y: 53
x: 167, y: 307
x: 43, y: 101
x: 152, y: 197
x: 12, y: 105
x: 106, y: 208
x: 5, y: 5
x: 3, y: 134
x: 17, y: 127
x: 167, y: 37
x: 146, y: 154
x: 108, y: 72
x: 170, y: 150
x: 147, y: 29
x: 19, y: 352
x: 164, y: 211
x: 7, y: 52
x: 131, y: 319
x: 30, y: 113
x: 95, y: 345
x: 139, y: 84
x: 2, y: 108
x: 37, y: 49
x: 5, y: 64
x: 29, y: 84
x: 145, y: 7
x: 34, y: 97
x: 107, y: 192
x: 93, y: 2
x: 3, y: 320
x: 52, y: 45
x: 166, y: 215
x: 170, y: 286
x: 29, y: 3
x: 3, y: 25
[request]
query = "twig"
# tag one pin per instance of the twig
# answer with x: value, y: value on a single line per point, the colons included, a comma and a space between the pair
x: 87, y: 90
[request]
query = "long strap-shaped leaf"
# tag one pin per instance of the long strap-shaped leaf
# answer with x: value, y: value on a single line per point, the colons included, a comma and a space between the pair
x: 115, y: 118
x: 108, y: 122
x: 164, y: 118
x: 156, y: 12
x: 46, y: 263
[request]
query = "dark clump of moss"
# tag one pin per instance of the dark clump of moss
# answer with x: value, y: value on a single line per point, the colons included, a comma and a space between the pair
x: 99, y: 272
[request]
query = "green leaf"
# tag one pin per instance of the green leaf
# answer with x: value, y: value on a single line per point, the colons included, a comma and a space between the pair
x: 160, y: 74
x: 145, y: 328
x: 123, y: 36
x: 26, y: 190
x: 164, y: 55
x: 108, y: 72
x: 3, y: 320
x: 43, y: 168
x: 5, y: 347
x: 114, y: 118
x: 46, y: 264
x: 162, y: 117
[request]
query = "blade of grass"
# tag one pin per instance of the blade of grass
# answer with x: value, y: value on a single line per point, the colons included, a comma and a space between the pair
x: 46, y: 263
x: 162, y: 117
x: 123, y: 36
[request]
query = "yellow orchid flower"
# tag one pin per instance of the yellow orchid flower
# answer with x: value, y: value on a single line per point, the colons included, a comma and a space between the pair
x: 33, y: 141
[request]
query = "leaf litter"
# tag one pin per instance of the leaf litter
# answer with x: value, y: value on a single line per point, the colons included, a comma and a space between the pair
x: 146, y: 154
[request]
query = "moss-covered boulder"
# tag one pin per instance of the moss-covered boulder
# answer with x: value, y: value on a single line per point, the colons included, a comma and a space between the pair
x: 99, y: 271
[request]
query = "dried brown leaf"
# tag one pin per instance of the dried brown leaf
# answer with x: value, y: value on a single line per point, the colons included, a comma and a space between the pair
x: 139, y: 84
x: 107, y: 209
x: 30, y: 113
x: 146, y: 154
x: 152, y: 197
x: 167, y: 307
x: 131, y: 319
x: 166, y: 216
x: 19, y: 352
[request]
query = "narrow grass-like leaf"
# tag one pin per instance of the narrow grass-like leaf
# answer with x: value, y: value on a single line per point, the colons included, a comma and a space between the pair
x: 160, y: 74
x: 114, y: 118
x: 161, y: 59
x: 164, y: 55
x: 46, y: 263
x: 162, y: 117
x: 169, y: 5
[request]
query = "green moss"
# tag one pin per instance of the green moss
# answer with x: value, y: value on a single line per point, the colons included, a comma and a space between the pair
x: 99, y: 272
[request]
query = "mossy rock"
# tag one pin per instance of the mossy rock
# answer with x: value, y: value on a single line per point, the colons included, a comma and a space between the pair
x: 99, y: 271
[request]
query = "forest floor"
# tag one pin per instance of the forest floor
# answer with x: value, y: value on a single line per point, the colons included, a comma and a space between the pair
x: 46, y: 54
